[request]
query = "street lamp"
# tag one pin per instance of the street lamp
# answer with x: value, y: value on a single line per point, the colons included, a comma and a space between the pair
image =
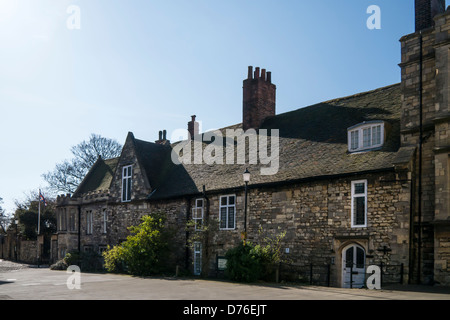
x: 16, y: 221
x: 246, y: 176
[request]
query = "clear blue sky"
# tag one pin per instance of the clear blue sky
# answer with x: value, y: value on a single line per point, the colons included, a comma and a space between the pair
x: 145, y: 66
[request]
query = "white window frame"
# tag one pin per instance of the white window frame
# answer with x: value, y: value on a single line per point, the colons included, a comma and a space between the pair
x: 353, y: 209
x: 198, y: 213
x: 127, y: 183
x: 89, y: 222
x: 197, y: 258
x: 227, y: 206
x: 358, y: 131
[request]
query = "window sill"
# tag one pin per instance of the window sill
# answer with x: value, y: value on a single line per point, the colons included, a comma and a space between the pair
x: 359, y: 226
x: 358, y: 151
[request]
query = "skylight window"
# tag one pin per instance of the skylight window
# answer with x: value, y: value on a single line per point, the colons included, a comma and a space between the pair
x: 366, y: 136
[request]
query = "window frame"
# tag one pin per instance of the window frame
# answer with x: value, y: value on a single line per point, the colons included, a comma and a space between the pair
x: 104, y: 221
x: 355, y: 195
x: 197, y: 248
x: 198, y: 221
x: 362, y: 136
x: 127, y: 183
x: 227, y: 206
x: 89, y: 222
x: 62, y: 223
x: 72, y: 220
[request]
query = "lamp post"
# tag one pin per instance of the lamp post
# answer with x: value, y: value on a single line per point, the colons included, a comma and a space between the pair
x: 16, y: 221
x: 246, y: 176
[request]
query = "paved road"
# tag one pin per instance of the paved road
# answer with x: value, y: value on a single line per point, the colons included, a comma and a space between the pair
x: 22, y: 282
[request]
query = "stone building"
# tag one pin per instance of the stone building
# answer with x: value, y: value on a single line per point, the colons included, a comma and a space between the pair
x: 353, y: 181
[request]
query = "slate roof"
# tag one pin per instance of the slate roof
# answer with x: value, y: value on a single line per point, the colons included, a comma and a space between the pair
x: 313, y: 144
x: 99, y: 177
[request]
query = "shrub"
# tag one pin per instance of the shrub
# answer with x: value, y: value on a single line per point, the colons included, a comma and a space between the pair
x: 244, y: 263
x: 86, y: 260
x: 248, y: 263
x: 59, y: 265
x: 115, y: 259
x: 144, y: 252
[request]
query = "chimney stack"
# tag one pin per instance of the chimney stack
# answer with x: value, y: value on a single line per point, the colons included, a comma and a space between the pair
x: 258, y: 98
x: 425, y: 11
x: 193, y: 128
x: 162, y: 138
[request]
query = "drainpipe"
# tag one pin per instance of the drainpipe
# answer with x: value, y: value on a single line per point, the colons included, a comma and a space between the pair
x: 186, y: 252
x: 412, y: 201
x: 206, y: 220
x: 207, y: 203
x: 79, y: 228
x: 419, y: 213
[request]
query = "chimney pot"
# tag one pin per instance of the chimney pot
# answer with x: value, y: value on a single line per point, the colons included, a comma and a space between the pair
x: 193, y: 127
x: 162, y: 138
x: 256, y: 73
x: 250, y: 73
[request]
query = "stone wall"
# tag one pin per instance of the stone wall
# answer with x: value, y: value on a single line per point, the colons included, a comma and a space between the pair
x: 315, y: 215
x: 431, y: 208
x: 316, y: 218
x: 26, y: 249
x: 119, y: 217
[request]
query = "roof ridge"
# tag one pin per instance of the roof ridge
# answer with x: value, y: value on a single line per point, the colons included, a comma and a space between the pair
x: 360, y: 94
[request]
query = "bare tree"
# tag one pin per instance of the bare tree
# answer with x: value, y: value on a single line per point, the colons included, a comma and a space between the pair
x: 68, y: 175
x: 4, y: 218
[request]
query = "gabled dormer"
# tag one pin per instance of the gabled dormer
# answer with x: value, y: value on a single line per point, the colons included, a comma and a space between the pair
x: 139, y: 169
x: 130, y: 180
x: 366, y: 136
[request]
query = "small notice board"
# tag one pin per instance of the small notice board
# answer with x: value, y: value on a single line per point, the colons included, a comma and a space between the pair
x: 221, y: 263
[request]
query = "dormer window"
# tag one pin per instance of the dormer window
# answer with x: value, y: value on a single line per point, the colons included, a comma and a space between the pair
x: 365, y: 136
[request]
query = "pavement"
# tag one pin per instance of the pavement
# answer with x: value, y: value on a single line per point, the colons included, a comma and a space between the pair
x: 24, y: 282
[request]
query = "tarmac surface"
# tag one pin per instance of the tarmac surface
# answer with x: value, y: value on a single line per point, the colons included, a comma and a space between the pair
x: 24, y: 282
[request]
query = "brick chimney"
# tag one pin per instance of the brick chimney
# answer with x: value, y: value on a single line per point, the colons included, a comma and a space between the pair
x: 162, y: 138
x: 258, y: 98
x: 193, y: 128
x: 426, y: 10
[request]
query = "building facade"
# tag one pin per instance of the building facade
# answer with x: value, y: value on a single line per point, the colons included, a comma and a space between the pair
x: 354, y: 181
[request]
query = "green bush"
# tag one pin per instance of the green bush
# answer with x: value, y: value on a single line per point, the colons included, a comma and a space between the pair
x: 115, y: 259
x: 248, y: 263
x: 144, y: 252
x: 244, y: 263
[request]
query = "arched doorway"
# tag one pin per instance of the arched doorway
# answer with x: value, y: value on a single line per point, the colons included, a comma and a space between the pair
x: 353, y: 266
